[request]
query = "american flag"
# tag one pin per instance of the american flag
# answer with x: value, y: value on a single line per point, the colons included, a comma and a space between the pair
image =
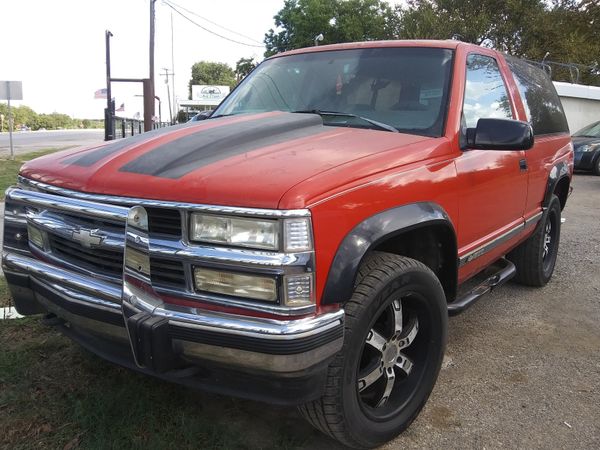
x: 100, y: 93
x: 121, y: 108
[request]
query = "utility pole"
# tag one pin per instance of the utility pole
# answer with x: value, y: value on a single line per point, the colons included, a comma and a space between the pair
x: 166, y: 75
x: 149, y: 92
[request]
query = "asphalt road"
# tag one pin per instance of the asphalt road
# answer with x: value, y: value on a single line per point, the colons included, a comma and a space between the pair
x: 27, y: 141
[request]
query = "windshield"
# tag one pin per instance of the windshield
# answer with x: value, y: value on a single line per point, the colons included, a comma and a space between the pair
x: 406, y: 88
x: 592, y: 130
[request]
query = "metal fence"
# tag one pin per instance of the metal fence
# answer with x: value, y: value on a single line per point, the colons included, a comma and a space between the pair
x: 573, y: 72
x: 124, y: 127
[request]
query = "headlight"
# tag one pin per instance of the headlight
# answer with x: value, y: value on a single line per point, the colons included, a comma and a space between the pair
x: 588, y: 148
x: 253, y: 233
x: 236, y: 284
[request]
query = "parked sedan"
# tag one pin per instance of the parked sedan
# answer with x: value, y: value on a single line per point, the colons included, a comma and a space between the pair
x: 587, y: 148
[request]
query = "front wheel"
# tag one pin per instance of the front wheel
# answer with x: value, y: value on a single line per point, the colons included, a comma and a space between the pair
x: 395, y: 337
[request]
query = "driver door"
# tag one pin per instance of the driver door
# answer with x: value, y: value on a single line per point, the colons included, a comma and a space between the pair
x: 493, y: 183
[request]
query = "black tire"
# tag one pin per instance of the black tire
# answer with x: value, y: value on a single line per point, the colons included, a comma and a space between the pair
x: 402, y: 301
x: 536, y: 257
x: 596, y: 168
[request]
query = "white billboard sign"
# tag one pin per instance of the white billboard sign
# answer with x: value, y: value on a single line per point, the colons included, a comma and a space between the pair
x: 209, y: 95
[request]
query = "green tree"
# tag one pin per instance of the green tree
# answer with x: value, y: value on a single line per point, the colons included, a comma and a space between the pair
x: 569, y: 32
x: 206, y: 72
x: 243, y: 67
x: 566, y: 30
x: 24, y: 115
x: 300, y: 21
x: 501, y: 24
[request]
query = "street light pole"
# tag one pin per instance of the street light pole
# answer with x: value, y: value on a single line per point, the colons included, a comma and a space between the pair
x: 159, y: 109
x: 172, y: 72
x: 10, y: 123
x: 109, y: 133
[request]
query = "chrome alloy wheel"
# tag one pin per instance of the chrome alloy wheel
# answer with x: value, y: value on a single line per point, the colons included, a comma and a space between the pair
x: 388, y: 359
x: 547, y: 239
x: 550, y: 240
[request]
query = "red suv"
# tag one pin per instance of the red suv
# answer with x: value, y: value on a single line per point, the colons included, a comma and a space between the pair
x: 307, y: 243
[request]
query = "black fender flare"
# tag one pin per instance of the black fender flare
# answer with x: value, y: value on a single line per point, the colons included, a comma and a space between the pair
x: 557, y: 173
x: 367, y: 235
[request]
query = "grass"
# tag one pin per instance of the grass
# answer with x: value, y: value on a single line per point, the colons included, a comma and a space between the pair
x: 55, y: 395
x: 9, y: 169
x: 4, y: 294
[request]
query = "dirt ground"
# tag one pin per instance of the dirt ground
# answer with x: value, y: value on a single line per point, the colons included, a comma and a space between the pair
x: 522, y: 371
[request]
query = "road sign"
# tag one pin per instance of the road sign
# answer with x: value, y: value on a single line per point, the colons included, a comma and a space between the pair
x: 11, y: 90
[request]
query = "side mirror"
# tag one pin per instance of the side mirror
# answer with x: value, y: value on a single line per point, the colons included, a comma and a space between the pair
x: 500, y: 134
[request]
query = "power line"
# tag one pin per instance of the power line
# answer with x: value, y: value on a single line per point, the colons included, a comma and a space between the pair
x: 214, y: 23
x: 207, y: 30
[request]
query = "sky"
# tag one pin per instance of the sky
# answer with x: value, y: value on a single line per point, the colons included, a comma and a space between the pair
x: 57, y: 48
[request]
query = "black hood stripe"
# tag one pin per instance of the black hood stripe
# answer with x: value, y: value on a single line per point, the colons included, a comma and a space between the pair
x: 186, y: 154
x: 91, y: 157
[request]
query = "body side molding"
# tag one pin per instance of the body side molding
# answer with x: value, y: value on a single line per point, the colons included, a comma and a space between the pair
x: 368, y: 234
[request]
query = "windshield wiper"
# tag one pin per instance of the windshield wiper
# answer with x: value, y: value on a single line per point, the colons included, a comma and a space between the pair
x: 221, y: 115
x: 380, y: 125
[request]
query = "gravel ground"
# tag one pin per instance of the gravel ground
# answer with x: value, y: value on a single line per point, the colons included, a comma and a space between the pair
x: 523, y: 365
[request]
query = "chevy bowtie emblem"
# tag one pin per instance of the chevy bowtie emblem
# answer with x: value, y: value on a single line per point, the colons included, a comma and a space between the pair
x: 88, y: 238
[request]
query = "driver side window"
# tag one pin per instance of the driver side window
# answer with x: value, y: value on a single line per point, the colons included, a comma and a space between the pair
x: 485, y: 93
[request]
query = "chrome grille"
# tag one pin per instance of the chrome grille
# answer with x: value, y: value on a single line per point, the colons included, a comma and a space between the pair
x: 107, y: 262
x: 164, y: 272
x: 164, y: 221
x: 110, y: 263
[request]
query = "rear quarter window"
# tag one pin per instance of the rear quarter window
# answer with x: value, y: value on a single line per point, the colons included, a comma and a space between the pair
x: 542, y: 104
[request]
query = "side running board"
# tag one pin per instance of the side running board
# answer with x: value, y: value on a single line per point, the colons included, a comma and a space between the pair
x: 505, y: 272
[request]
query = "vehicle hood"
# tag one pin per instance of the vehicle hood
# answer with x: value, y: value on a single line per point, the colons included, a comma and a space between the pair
x: 580, y: 141
x: 250, y: 160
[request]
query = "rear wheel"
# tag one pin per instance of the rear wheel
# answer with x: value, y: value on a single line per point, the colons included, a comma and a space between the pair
x: 536, y: 257
x: 395, y: 336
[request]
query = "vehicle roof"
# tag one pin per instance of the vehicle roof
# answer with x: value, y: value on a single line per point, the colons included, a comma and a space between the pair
x: 450, y: 44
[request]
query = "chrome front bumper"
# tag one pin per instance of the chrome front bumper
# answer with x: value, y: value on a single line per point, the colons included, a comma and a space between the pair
x: 196, y: 335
